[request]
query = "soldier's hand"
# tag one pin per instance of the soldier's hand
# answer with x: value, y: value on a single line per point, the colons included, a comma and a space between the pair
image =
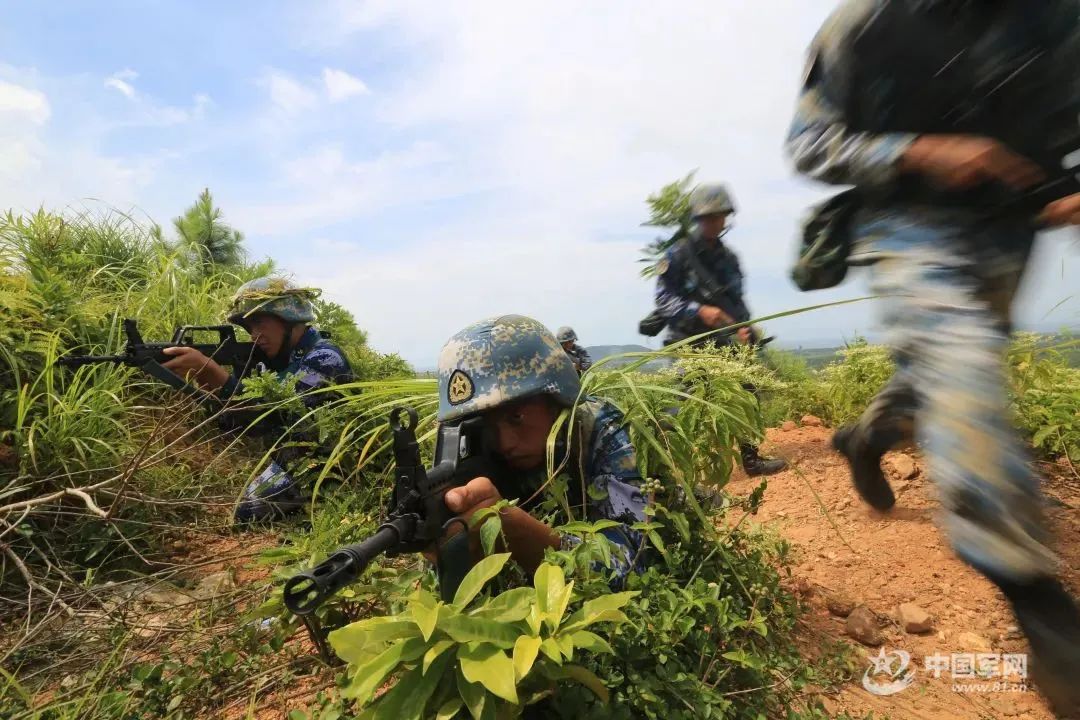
x: 714, y: 317
x: 463, y: 501
x: 1065, y: 211
x: 190, y: 363
x: 745, y: 335
x: 472, y: 496
x: 961, y: 161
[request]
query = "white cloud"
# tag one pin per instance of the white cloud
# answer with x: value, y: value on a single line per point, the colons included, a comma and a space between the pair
x: 22, y: 103
x: 288, y: 94
x: 546, y: 112
x: 340, y: 85
x: 121, y: 82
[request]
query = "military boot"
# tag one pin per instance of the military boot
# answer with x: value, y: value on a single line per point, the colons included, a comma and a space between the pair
x: 865, y: 464
x: 755, y: 465
x: 1050, y: 619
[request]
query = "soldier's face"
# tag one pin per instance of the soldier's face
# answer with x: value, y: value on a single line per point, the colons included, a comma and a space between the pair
x: 568, y: 344
x: 712, y: 225
x: 267, y: 332
x: 521, y: 431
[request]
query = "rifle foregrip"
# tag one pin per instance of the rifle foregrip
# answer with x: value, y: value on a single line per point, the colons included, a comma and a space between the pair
x: 306, y: 591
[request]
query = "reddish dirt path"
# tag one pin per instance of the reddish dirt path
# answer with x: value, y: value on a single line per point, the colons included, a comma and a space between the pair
x: 884, y: 560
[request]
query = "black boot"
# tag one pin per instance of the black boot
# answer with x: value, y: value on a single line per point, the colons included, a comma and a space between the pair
x: 755, y: 465
x: 866, y: 471
x: 1050, y: 619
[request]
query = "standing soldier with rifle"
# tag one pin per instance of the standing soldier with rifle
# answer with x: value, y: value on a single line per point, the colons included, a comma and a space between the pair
x: 278, y: 316
x: 579, y: 355
x: 699, y: 288
x: 951, y: 119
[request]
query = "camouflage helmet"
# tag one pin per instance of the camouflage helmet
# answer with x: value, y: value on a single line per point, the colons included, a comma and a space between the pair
x: 711, y: 200
x: 566, y: 334
x: 500, y: 360
x: 273, y: 296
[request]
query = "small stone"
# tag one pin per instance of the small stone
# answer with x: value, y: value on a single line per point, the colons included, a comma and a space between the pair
x: 914, y: 619
x: 969, y: 641
x: 862, y: 625
x: 214, y: 584
x: 781, y: 514
x: 166, y: 596
x: 179, y: 546
x: 904, y: 466
x: 1013, y: 632
x: 812, y: 421
x: 788, y: 426
x: 942, y: 635
x: 839, y: 606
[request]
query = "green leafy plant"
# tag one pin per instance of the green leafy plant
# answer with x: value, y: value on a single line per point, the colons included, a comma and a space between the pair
x: 477, y: 656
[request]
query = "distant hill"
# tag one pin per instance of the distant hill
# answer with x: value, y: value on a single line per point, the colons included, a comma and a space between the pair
x: 596, y: 352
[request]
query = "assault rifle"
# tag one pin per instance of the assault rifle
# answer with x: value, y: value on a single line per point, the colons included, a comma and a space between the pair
x: 150, y: 357
x: 418, y: 516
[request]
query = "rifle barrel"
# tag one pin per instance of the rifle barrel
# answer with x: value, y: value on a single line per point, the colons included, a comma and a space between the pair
x: 80, y: 360
x: 306, y: 591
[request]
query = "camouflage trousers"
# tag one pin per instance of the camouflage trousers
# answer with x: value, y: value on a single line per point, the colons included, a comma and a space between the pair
x: 950, y: 288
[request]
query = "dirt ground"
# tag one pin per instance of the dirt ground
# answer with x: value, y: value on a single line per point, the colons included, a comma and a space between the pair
x: 848, y: 554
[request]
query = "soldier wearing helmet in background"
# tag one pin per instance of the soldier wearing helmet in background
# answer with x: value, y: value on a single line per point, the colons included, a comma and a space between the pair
x: 278, y: 316
x: 699, y: 288
x: 512, y: 372
x: 578, y: 355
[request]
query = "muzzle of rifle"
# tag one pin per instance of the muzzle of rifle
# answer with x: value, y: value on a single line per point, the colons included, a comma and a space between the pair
x: 306, y: 591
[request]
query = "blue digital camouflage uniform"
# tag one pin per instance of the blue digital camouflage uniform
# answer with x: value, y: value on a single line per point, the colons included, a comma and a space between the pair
x: 315, y: 363
x: 679, y: 290
x: 504, y: 359
x: 950, y: 268
x: 580, y: 357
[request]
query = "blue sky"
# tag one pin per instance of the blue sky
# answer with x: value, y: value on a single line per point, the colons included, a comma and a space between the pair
x: 430, y: 164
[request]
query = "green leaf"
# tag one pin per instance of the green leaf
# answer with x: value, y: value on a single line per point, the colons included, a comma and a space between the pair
x: 588, y: 679
x: 549, y: 582
x: 510, y: 606
x: 525, y: 651
x: 367, y: 678
x: 654, y: 538
x: 472, y: 694
x: 1043, y: 433
x: 477, y: 577
x: 581, y: 528
x: 354, y: 643
x: 566, y: 645
x: 466, y: 629
x: 425, y: 616
x: 489, y: 666
x: 740, y: 656
x: 602, y: 609
x: 590, y: 641
x: 449, y: 709
x: 489, y: 533
x: 435, y: 651
x: 551, y: 648
x: 406, y: 700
